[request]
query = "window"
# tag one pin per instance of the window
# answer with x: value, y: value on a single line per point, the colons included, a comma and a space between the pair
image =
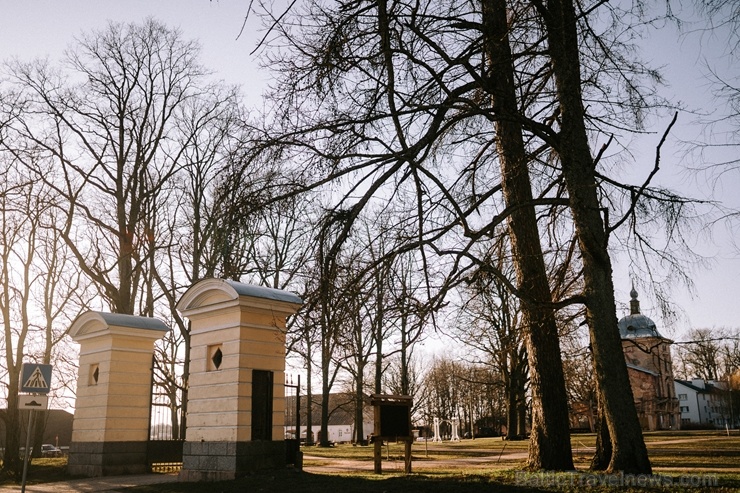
x: 215, y: 357
x: 683, y: 397
x: 684, y: 409
x: 94, y: 374
x: 340, y: 433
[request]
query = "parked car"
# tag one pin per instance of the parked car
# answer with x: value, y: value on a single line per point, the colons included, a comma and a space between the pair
x: 49, y: 450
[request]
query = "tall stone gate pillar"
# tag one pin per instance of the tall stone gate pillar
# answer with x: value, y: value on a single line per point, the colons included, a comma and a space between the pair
x: 111, y: 423
x: 236, y: 393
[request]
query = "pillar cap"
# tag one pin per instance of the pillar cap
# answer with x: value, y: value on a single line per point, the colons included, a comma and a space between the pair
x: 210, y: 292
x: 93, y: 323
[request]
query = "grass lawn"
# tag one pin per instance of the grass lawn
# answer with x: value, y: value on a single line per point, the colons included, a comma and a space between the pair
x: 458, y: 481
x: 682, y: 461
x: 44, y: 470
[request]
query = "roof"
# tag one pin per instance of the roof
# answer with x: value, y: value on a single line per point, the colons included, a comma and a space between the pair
x: 263, y: 292
x: 92, y: 323
x: 708, y: 389
x: 644, y: 370
x: 133, y: 321
x: 213, y: 292
x: 636, y: 325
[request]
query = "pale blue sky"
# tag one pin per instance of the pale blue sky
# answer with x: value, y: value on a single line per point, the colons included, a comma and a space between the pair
x: 38, y: 28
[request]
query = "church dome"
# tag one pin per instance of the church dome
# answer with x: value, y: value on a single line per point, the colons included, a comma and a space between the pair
x: 636, y: 325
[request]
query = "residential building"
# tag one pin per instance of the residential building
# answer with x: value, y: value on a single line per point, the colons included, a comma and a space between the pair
x: 704, y: 403
x: 341, y: 426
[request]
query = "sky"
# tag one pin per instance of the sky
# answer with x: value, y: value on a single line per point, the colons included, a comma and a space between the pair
x: 44, y: 28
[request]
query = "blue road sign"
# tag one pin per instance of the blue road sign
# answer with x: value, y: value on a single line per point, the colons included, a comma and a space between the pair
x: 35, y: 378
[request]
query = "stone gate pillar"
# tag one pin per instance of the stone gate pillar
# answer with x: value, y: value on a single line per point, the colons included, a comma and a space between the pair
x: 236, y: 394
x: 111, y: 422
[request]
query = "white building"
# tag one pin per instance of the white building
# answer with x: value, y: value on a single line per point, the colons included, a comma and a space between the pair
x: 704, y: 403
x: 341, y: 426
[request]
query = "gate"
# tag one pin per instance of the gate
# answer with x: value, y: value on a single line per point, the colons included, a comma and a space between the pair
x: 293, y: 421
x: 166, y: 422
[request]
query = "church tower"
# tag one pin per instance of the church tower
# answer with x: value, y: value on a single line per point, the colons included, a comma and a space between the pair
x: 650, y: 368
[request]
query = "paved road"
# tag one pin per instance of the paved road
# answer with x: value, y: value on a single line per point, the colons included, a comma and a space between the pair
x: 94, y: 485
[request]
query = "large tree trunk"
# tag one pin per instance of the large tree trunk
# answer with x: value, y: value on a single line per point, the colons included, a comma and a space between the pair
x: 629, y: 453
x: 549, y: 446
x: 512, y: 408
x: 309, y: 405
x: 12, y: 418
x: 379, y: 317
x: 522, y: 412
x: 324, y: 430
x: 359, y: 403
x: 603, y: 454
x: 37, y: 439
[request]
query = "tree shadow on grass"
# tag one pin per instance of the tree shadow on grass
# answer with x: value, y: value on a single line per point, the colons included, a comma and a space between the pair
x: 289, y: 481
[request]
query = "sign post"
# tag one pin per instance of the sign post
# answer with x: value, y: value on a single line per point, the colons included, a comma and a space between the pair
x: 392, y: 422
x: 35, y: 379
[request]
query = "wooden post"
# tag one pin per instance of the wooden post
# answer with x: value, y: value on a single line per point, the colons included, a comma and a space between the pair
x: 407, y: 455
x: 378, y: 454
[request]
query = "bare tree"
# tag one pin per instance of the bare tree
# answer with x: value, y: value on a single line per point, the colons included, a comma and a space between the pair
x: 113, y: 130
x: 17, y: 251
x: 702, y: 355
x: 61, y: 293
x: 434, y: 218
x: 329, y: 308
x: 355, y: 336
x: 138, y: 138
x: 458, y: 391
x: 41, y: 288
x: 398, y: 101
x: 394, y: 380
x: 184, y: 215
x: 490, y: 325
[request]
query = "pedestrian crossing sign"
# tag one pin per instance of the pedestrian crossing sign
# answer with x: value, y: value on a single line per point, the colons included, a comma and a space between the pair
x: 35, y: 378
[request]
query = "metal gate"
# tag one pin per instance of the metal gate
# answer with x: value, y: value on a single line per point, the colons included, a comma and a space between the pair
x: 293, y: 421
x: 166, y: 422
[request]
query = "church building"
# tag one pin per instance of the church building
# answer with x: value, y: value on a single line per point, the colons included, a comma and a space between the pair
x: 650, y: 368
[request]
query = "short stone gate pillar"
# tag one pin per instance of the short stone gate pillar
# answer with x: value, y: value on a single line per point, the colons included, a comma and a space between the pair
x: 236, y: 394
x: 111, y: 422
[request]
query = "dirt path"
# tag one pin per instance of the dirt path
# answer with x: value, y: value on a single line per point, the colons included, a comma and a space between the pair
x: 495, y: 461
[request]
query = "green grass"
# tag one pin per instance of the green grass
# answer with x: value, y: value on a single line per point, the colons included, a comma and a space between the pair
x: 506, y: 481
x: 673, y: 454
x: 347, y: 483
x: 42, y: 470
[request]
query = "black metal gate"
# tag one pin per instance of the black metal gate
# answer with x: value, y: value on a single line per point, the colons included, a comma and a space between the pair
x: 166, y: 423
x: 293, y: 421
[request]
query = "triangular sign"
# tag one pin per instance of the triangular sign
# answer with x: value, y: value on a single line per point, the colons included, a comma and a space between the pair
x: 36, y: 380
